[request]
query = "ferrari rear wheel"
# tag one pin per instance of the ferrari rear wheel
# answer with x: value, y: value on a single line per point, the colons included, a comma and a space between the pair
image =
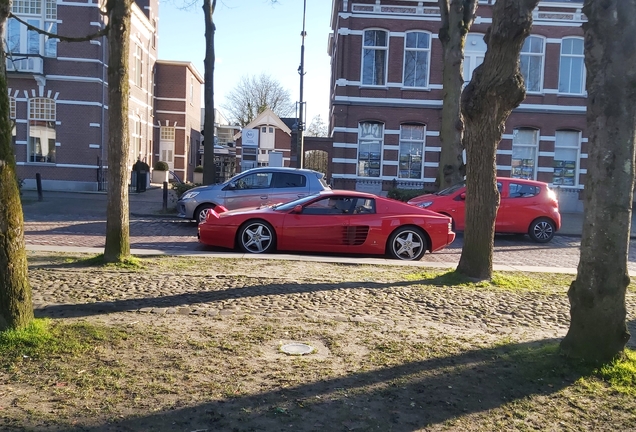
x: 407, y: 243
x: 257, y: 237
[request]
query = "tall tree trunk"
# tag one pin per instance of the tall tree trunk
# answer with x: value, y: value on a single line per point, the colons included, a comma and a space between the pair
x: 457, y: 17
x: 209, y: 167
x: 597, y: 296
x: 117, y: 220
x: 495, y: 90
x: 16, y: 309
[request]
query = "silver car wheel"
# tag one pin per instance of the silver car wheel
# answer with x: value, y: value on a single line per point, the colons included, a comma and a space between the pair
x: 408, y: 244
x: 257, y: 237
x: 202, y: 213
x: 542, y: 231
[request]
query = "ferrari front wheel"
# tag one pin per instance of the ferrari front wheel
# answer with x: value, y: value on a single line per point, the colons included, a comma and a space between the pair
x: 257, y: 237
x: 407, y: 243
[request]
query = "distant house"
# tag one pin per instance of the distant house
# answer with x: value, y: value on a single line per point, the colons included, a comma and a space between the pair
x: 387, y: 95
x: 263, y: 142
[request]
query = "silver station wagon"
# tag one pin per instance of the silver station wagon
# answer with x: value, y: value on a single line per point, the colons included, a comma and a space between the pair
x: 252, y: 188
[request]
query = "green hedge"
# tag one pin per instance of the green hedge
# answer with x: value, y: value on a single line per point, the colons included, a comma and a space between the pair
x: 406, y: 194
x: 182, y: 188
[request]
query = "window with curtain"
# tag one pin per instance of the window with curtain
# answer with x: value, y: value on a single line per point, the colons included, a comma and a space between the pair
x: 370, y: 139
x: 531, y: 63
x: 524, y: 153
x: 417, y: 53
x: 474, y: 51
x: 41, y: 142
x: 411, y: 151
x: 572, y: 67
x: 567, y: 146
x: 375, y: 47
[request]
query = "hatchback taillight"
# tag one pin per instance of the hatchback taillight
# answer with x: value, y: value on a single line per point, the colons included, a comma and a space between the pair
x: 553, y: 198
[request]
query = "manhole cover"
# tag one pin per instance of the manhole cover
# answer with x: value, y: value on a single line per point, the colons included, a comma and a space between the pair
x: 297, y: 349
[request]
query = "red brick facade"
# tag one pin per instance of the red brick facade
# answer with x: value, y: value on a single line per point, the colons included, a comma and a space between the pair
x: 553, y: 112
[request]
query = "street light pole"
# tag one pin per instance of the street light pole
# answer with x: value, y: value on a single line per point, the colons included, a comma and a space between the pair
x: 301, y: 71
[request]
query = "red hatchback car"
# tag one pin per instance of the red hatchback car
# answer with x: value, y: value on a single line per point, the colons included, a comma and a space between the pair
x: 526, y: 207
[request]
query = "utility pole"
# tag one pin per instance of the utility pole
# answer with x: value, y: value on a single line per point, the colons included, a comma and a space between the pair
x: 301, y: 71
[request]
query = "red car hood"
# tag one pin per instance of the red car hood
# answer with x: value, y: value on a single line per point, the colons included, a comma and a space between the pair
x: 423, y: 198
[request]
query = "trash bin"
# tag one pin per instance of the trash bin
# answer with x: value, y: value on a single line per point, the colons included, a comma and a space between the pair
x: 140, y: 174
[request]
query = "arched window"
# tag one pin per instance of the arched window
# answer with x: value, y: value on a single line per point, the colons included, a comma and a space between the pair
x: 531, y: 63
x: 411, y: 163
x: 370, y: 140
x: 375, y: 47
x: 525, y: 142
x: 567, y: 148
x: 41, y: 143
x: 572, y: 66
x: 474, y: 51
x: 417, y: 53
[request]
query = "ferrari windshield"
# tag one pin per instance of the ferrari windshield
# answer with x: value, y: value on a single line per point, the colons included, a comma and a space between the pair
x: 290, y: 205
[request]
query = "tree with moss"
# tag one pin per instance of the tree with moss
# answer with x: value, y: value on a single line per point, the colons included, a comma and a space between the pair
x: 598, y: 331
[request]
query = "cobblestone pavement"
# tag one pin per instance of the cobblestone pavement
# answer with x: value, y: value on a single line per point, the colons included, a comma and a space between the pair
x: 320, y: 292
x: 170, y: 234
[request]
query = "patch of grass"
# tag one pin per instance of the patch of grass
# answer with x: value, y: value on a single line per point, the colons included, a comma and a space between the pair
x: 502, y: 280
x: 621, y: 373
x: 41, y: 339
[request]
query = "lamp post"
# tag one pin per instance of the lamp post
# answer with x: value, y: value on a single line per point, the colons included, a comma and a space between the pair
x: 301, y: 71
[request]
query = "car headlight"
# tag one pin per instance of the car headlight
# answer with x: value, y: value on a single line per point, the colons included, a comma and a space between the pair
x: 189, y: 195
x: 425, y: 204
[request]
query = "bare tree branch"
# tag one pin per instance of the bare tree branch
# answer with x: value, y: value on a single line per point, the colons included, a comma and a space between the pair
x: 100, y: 33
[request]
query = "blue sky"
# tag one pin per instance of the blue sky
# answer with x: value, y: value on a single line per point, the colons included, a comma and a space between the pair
x: 252, y: 37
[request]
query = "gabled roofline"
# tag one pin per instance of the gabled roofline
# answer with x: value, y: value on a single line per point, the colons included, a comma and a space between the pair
x: 257, y: 121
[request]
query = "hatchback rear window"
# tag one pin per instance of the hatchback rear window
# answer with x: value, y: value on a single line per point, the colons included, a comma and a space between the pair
x: 289, y: 180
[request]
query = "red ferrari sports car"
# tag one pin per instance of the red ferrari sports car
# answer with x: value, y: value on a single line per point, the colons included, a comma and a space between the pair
x: 331, y: 221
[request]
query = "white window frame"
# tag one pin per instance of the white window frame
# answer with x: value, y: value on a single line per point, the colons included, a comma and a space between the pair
x: 533, y: 55
x: 370, y: 149
x: 472, y: 58
x: 577, y: 160
x: 373, y: 49
x: 406, y: 160
x: 138, y: 65
x: 136, y: 137
x: 191, y: 90
x: 521, y: 170
x: 583, y: 72
x: 41, y: 110
x: 417, y: 51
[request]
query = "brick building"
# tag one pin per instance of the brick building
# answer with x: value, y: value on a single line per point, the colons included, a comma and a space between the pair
x: 59, y: 93
x: 385, y: 111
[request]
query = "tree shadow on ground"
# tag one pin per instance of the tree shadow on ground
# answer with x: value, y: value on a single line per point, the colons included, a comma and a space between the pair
x: 405, y: 397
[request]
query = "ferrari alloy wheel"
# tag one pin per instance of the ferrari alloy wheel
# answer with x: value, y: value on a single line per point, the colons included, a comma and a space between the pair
x: 257, y: 237
x: 407, y: 243
x: 541, y: 230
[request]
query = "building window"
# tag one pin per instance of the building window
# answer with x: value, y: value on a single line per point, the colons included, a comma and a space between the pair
x: 474, y: 52
x: 138, y: 65
x: 417, y: 51
x: 41, y: 142
x: 136, y: 138
x: 29, y: 7
x: 572, y: 67
x: 12, y: 115
x: 20, y: 40
x: 567, y: 146
x: 191, y: 90
x: 411, y: 151
x: 524, y: 153
x: 370, y: 138
x: 154, y: 33
x: 531, y: 63
x: 166, y: 145
x: 374, y: 57
x: 50, y: 44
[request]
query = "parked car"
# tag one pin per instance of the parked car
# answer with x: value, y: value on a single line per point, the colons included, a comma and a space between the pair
x: 252, y: 188
x: 526, y: 207
x: 331, y: 221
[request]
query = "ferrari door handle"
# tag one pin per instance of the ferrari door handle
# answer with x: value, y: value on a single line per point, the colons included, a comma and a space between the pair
x: 263, y: 196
